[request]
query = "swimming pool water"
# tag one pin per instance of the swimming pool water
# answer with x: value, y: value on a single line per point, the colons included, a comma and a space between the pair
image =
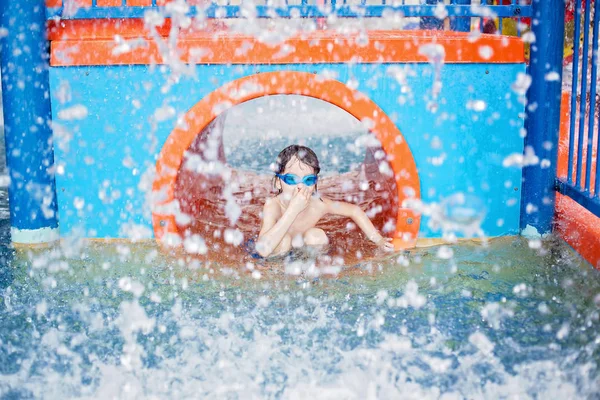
x: 496, y: 320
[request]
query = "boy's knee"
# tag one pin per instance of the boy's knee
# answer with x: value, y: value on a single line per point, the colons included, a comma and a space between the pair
x: 315, y: 237
x: 284, y: 246
x: 286, y: 241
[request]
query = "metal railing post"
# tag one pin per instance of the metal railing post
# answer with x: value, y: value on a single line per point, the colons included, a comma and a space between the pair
x: 543, y: 113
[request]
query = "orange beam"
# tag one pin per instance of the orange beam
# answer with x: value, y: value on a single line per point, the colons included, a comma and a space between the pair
x: 108, y: 3
x: 86, y: 30
x: 92, y: 43
x: 76, y: 3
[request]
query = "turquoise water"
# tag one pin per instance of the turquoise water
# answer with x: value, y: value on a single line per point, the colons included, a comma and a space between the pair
x: 502, y: 320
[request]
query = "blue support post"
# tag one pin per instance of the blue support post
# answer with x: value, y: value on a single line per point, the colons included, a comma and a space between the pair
x: 543, y: 113
x: 460, y: 24
x: 27, y: 131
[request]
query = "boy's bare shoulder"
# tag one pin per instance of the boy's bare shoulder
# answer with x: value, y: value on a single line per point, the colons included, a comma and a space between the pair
x: 324, y: 199
x: 321, y: 202
x: 338, y: 207
x: 272, y: 205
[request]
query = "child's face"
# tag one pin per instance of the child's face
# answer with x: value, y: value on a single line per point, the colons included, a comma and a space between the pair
x: 300, y: 169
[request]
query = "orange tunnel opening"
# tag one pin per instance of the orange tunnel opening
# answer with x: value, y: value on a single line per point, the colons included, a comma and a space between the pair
x: 200, y: 195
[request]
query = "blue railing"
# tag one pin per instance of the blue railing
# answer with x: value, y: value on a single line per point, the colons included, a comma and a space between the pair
x: 582, y: 182
x: 310, y: 9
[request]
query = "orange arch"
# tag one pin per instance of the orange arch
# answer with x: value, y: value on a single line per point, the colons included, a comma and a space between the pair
x: 286, y: 82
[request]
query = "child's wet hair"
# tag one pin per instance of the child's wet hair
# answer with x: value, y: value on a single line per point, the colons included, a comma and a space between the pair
x: 302, y: 153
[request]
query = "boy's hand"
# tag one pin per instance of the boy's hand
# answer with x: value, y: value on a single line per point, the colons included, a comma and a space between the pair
x: 383, y: 242
x: 300, y: 200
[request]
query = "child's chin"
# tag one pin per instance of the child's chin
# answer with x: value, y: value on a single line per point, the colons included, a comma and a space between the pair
x: 286, y: 196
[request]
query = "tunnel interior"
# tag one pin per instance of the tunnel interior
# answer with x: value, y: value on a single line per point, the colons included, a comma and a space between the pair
x: 226, y: 175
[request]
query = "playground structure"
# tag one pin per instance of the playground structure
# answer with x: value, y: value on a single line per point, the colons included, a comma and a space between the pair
x: 92, y: 176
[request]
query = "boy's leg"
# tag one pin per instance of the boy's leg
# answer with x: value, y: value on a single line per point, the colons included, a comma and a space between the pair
x: 283, y: 247
x: 315, y: 237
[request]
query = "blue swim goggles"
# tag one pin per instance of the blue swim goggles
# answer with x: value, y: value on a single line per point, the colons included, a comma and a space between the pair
x: 291, y: 179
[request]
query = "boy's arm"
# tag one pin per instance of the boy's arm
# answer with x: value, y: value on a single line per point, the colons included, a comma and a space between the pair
x: 269, y: 216
x: 272, y: 230
x: 360, y: 218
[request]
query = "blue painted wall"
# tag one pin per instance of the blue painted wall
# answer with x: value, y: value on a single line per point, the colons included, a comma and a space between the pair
x: 100, y: 167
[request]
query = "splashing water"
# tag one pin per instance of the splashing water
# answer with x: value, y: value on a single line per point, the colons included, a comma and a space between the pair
x: 508, y: 319
x: 130, y: 323
x: 435, y: 54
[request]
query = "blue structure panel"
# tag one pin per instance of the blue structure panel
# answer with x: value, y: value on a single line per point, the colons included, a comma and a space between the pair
x: 458, y: 148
